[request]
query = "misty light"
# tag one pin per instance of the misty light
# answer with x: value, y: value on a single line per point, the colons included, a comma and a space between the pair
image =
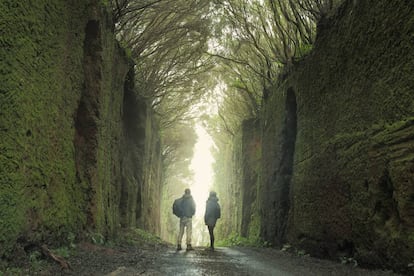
x: 201, y: 165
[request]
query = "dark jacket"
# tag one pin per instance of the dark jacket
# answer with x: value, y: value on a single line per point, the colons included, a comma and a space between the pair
x: 212, y: 211
x: 188, y: 206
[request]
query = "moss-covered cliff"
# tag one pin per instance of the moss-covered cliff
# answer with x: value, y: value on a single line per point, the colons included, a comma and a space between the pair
x: 42, y: 79
x: 338, y: 140
x: 228, y: 188
x: 237, y: 171
x: 336, y: 175
x: 65, y: 127
x: 140, y: 162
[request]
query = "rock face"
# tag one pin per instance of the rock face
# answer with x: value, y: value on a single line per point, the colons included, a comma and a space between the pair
x: 337, y: 170
x: 250, y: 154
x: 338, y: 140
x: 76, y: 143
x: 140, y: 162
x: 237, y: 170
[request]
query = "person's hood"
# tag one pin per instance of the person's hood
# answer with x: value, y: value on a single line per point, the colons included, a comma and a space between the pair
x: 213, y: 198
x: 187, y: 196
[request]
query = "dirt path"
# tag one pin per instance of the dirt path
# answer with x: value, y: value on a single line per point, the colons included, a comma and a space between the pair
x: 245, y: 261
x: 138, y: 253
x: 163, y: 260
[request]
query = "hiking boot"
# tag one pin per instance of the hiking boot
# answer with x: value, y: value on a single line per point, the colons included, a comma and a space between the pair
x: 189, y: 247
x: 179, y: 247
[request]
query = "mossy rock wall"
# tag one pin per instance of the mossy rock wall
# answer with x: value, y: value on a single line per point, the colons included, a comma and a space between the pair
x: 348, y: 107
x: 63, y: 78
x: 279, y: 130
x: 140, y: 162
x: 237, y: 177
x: 249, y: 163
x: 227, y: 181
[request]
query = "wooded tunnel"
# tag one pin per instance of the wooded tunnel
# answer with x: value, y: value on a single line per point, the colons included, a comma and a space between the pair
x: 308, y: 110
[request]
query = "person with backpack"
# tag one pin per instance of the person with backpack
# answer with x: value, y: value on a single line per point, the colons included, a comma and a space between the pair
x: 185, y: 208
x: 211, y: 215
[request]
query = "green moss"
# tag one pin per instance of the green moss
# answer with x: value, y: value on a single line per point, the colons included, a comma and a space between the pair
x: 138, y: 237
x: 97, y: 238
x: 254, y: 227
x: 37, y: 170
x: 12, y: 271
x: 236, y: 240
x: 44, y: 195
x: 106, y: 3
x: 303, y: 50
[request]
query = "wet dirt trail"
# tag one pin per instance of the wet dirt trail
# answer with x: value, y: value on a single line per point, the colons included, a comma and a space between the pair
x: 163, y: 259
x: 240, y: 261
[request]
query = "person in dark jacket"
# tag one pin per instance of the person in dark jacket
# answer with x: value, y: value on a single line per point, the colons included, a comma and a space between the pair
x: 212, y: 214
x: 188, y: 210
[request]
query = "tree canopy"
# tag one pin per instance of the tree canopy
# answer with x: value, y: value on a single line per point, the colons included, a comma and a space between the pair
x: 167, y: 40
x: 253, y: 42
x: 184, y: 49
x: 192, y: 53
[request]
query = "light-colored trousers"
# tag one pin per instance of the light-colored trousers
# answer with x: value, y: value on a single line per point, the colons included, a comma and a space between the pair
x: 188, y: 224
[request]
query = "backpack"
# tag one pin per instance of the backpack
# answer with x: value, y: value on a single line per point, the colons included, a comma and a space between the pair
x: 177, y: 208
